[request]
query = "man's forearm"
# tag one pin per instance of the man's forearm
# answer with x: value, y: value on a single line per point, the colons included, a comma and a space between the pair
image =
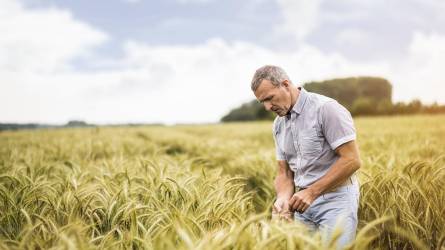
x: 340, y: 171
x: 284, y: 185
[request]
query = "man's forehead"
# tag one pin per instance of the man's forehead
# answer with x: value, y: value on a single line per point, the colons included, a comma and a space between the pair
x: 265, y: 85
x: 264, y: 89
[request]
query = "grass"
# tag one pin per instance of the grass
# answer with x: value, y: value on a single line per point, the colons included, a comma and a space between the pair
x: 208, y: 187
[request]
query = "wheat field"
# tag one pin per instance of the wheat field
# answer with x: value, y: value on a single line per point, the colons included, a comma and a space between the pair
x: 207, y: 187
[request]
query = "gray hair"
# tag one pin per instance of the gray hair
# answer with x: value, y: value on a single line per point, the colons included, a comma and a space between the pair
x: 272, y: 73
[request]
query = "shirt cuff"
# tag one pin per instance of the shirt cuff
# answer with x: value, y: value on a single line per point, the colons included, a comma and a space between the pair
x: 342, y: 140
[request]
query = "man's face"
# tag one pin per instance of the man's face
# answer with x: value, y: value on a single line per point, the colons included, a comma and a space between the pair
x: 274, y: 98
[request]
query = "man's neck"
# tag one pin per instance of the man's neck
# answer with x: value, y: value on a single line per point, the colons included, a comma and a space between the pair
x: 295, y: 93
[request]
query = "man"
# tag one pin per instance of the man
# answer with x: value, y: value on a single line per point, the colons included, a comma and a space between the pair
x: 316, y: 152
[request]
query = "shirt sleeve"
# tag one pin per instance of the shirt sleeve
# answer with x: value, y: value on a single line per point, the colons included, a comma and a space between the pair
x: 337, y: 124
x: 278, y: 152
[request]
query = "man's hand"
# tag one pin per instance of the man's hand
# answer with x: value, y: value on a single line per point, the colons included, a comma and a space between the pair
x: 280, y: 209
x: 301, y: 200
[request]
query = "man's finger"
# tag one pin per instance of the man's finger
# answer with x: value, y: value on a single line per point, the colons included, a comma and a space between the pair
x: 305, y: 207
x: 296, y: 204
x: 300, y: 207
x: 290, y: 206
x: 293, y: 199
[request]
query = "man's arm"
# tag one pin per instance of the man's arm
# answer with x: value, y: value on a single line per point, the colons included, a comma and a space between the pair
x: 284, y: 186
x: 284, y: 181
x: 348, y: 162
x: 341, y: 170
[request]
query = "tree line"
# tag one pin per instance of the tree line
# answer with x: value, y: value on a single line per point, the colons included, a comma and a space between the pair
x: 362, y: 96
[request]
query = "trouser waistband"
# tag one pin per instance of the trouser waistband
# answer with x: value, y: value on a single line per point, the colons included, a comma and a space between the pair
x: 350, y: 181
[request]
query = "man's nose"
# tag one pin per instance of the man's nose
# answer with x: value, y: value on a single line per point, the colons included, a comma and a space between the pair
x: 267, y: 106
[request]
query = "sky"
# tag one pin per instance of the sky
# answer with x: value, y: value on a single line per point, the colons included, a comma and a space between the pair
x: 191, y: 61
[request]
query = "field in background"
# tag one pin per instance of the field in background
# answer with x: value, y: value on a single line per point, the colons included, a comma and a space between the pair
x: 207, y: 187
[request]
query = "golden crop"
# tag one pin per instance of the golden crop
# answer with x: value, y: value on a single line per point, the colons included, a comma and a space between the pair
x: 207, y: 187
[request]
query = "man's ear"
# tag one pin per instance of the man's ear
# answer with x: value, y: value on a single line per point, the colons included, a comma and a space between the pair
x: 286, y: 83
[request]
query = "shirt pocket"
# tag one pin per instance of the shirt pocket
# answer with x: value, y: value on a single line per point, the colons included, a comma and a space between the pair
x: 310, y: 143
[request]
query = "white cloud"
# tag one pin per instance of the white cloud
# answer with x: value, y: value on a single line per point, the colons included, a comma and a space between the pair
x: 300, y: 17
x: 352, y: 36
x: 42, y: 40
x: 175, y: 83
x: 166, y: 83
x: 421, y: 74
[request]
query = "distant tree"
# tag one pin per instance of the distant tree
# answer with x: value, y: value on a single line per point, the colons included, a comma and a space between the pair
x: 16, y: 126
x: 434, y: 108
x: 248, y: 112
x: 385, y: 107
x: 347, y: 90
x: 415, y: 106
x: 363, y: 106
x: 360, y: 95
x: 76, y: 123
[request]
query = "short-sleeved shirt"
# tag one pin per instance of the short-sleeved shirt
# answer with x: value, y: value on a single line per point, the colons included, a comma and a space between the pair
x: 308, y: 136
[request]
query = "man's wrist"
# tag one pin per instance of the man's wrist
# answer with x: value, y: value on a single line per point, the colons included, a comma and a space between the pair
x: 284, y: 196
x: 315, y: 190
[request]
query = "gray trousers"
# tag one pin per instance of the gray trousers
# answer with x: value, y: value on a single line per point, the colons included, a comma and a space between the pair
x: 336, y: 209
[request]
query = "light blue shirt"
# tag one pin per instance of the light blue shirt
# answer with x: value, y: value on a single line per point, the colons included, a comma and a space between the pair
x: 307, y: 138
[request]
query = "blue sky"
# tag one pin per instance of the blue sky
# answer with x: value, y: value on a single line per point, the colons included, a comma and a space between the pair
x: 171, y: 22
x: 191, y: 61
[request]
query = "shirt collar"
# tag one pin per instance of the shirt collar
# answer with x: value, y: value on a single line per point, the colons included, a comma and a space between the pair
x: 298, y: 106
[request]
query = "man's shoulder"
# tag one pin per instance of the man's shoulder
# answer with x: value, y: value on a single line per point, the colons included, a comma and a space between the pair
x: 327, y: 106
x: 319, y: 99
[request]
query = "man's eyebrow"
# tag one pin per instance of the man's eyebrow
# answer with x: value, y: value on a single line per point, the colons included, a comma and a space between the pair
x: 265, y: 98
